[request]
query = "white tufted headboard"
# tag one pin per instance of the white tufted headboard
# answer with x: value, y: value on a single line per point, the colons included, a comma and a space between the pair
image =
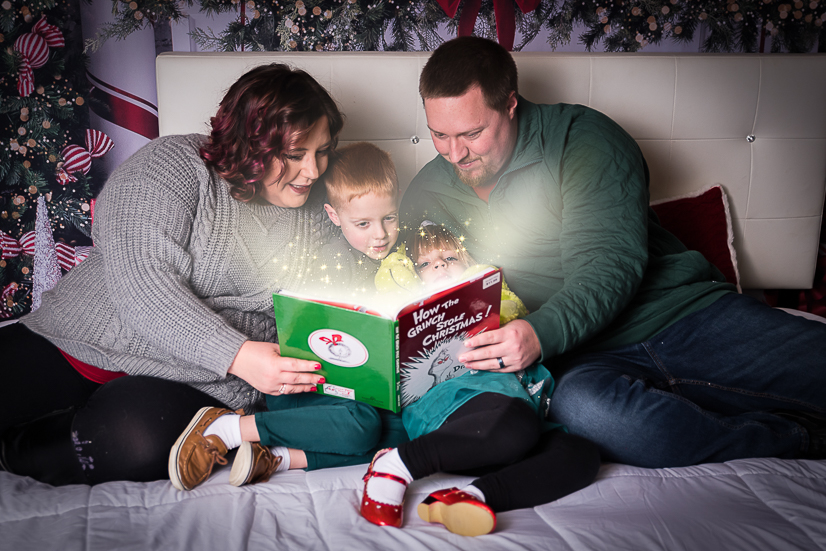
x: 754, y: 123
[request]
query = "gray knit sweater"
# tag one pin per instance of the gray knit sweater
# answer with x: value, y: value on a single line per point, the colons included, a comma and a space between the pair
x: 181, y: 273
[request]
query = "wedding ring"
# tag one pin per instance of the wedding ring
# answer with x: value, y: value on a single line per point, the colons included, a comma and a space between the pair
x: 283, y: 388
x: 501, y: 363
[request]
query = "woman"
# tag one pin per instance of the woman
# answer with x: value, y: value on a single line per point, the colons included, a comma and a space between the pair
x: 192, y: 237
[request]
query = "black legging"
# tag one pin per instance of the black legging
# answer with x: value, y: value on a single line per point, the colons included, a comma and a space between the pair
x: 499, y: 438
x: 58, y: 427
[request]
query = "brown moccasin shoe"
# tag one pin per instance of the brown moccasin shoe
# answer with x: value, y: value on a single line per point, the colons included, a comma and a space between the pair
x: 253, y: 463
x: 193, y: 455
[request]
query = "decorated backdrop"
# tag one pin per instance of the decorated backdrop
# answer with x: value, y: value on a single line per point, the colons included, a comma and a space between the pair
x: 78, y: 88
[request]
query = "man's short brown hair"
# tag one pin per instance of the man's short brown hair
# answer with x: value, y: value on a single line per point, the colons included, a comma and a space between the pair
x: 467, y: 61
x: 358, y: 169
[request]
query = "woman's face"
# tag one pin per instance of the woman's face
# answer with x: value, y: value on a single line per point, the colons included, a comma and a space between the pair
x: 305, y: 162
x: 437, y: 267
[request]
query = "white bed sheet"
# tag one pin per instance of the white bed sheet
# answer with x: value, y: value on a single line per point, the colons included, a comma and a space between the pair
x: 748, y: 505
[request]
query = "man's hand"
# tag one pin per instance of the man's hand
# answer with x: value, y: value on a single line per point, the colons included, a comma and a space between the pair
x: 262, y: 366
x: 515, y: 343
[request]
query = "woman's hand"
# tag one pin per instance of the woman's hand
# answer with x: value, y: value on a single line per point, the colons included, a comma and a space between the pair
x: 262, y: 366
x: 515, y: 344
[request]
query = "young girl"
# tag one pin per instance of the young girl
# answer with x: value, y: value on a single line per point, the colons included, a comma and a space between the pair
x: 482, y: 423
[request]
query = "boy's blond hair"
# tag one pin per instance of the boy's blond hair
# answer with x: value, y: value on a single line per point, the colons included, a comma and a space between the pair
x: 358, y: 169
x: 434, y: 236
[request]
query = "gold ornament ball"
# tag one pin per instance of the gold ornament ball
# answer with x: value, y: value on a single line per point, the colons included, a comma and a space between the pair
x: 31, y: 143
x: 302, y: 11
x: 24, y: 269
x: 47, y: 124
x: 133, y: 5
x: 24, y: 10
x: 24, y: 118
x: 61, y: 102
x: 24, y: 111
x: 7, y: 5
x: 27, y: 164
x: 316, y: 11
x: 138, y: 15
x: 32, y: 190
x: 40, y: 90
x: 21, y: 131
x: 15, y: 215
x: 80, y: 100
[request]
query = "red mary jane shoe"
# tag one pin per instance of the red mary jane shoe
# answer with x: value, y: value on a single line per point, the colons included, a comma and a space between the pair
x: 460, y: 512
x: 374, y: 511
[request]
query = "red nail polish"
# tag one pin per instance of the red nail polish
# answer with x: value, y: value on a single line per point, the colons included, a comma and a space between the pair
x: 314, y: 389
x: 317, y: 367
x: 321, y: 381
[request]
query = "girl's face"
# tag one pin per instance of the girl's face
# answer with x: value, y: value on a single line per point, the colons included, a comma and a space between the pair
x: 437, y: 266
x: 304, y: 164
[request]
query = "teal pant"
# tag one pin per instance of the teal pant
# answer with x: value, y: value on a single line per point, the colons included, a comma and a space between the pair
x: 333, y: 432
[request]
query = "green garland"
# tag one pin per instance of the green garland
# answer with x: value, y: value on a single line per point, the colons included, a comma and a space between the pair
x: 622, y: 26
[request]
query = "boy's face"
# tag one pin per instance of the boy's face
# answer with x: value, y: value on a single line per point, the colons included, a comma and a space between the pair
x: 370, y: 223
x: 437, y: 266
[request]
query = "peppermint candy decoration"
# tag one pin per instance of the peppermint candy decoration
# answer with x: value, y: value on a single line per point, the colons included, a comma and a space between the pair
x: 77, y: 159
x: 9, y: 246
x: 7, y: 300
x: 34, y: 52
x: 67, y: 256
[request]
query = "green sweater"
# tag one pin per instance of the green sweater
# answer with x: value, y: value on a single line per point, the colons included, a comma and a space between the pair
x: 568, y: 222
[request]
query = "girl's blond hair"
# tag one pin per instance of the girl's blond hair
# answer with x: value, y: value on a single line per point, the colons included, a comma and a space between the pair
x: 437, y: 237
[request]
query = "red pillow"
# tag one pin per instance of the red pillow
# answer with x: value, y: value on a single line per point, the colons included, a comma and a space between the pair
x: 702, y: 221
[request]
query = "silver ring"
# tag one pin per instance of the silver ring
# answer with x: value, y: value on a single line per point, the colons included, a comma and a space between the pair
x: 283, y: 388
x: 501, y: 363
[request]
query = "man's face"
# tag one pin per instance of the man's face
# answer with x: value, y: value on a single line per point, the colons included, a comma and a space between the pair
x: 477, y: 140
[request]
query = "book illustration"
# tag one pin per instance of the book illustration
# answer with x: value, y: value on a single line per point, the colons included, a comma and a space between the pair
x: 432, y: 366
x: 337, y: 347
x: 384, y: 355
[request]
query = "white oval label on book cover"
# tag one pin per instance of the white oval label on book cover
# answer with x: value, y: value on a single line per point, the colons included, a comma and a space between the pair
x: 338, y: 348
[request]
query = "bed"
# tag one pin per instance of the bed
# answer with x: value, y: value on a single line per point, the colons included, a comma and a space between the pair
x: 752, y: 127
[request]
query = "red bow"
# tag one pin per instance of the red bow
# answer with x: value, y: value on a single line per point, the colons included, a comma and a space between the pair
x: 77, y: 159
x: 335, y: 340
x: 503, y: 9
x: 67, y: 256
x: 34, y: 52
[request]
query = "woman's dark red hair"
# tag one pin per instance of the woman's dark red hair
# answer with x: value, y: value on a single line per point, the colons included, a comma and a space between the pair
x: 265, y: 113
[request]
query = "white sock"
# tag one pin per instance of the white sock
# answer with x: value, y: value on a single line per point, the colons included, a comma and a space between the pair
x: 284, y: 454
x: 385, y: 490
x: 228, y: 429
x: 475, y: 492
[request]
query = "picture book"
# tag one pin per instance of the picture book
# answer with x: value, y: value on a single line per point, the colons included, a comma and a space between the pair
x: 389, y: 359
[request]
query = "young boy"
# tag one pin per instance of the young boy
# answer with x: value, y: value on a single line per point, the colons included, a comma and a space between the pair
x: 363, y: 200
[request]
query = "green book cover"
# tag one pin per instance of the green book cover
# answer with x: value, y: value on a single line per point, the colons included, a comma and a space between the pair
x: 388, y: 360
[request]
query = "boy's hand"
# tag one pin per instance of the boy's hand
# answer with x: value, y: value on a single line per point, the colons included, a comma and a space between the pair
x: 515, y: 343
x: 262, y: 366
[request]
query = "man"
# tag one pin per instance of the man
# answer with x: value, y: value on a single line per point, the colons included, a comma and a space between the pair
x: 656, y: 358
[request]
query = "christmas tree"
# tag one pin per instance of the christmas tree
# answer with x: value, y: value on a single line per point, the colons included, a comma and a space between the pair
x: 46, y: 149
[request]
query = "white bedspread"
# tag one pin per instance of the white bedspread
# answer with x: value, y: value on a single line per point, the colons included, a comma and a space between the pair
x: 749, y: 505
